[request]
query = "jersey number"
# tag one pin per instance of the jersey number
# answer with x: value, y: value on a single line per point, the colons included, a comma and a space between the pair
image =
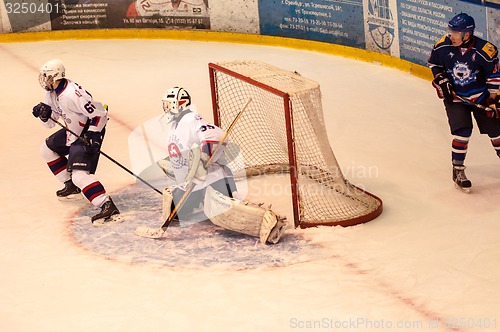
x: 207, y: 126
x: 89, y: 107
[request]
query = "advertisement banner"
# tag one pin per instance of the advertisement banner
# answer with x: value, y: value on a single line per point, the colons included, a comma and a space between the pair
x: 151, y: 14
x: 423, y: 22
x: 405, y: 29
x: 40, y: 15
x: 381, y: 26
x: 332, y: 21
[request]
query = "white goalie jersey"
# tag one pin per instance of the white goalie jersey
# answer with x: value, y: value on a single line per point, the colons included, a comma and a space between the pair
x: 185, y: 131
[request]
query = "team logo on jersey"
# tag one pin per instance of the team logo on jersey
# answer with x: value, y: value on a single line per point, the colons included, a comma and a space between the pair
x: 175, y: 155
x: 174, y: 151
x: 462, y: 75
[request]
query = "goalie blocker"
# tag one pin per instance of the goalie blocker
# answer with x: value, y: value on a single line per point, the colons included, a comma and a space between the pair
x: 237, y: 216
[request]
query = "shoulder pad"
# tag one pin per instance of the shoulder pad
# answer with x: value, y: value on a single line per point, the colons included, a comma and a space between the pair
x: 490, y: 50
x: 441, y: 41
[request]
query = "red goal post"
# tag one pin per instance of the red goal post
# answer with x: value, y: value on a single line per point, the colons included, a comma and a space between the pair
x: 283, y: 131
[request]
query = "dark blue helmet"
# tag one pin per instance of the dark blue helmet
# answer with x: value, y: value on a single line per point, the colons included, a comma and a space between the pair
x: 462, y: 22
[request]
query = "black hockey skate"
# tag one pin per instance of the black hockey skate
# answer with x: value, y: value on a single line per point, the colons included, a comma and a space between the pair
x: 461, y: 181
x: 70, y: 192
x: 109, y: 214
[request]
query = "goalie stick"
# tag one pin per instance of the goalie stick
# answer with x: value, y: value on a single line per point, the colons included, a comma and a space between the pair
x: 107, y: 156
x: 156, y: 233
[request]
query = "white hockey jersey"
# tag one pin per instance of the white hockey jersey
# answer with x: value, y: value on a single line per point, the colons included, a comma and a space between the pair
x: 73, y: 104
x: 188, y: 129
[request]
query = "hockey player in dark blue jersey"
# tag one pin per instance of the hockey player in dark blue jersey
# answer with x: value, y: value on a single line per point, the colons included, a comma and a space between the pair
x: 466, y: 66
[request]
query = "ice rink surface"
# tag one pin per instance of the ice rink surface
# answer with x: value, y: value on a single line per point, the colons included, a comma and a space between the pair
x: 430, y: 262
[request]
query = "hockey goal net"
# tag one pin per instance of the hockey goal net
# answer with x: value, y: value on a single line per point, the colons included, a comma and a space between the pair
x: 283, y: 131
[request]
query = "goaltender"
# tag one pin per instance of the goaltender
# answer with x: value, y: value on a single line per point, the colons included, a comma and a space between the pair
x: 191, y: 143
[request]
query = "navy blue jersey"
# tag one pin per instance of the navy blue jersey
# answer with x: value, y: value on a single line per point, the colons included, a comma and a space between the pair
x: 473, y: 71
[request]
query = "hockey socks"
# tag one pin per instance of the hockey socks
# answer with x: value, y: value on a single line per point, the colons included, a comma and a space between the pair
x: 459, y: 147
x: 495, y: 141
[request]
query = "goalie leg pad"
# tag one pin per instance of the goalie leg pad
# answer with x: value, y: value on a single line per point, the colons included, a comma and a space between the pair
x: 272, y: 228
x: 242, y: 217
x: 167, y: 203
x: 272, y: 234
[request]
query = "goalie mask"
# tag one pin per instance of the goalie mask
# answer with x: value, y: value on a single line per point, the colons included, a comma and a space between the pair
x: 175, y: 101
x: 50, y: 73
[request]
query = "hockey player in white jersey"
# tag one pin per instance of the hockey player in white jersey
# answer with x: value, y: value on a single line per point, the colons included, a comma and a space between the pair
x: 73, y: 159
x: 191, y: 143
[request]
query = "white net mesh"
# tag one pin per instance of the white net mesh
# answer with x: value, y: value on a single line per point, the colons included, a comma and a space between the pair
x: 283, y: 130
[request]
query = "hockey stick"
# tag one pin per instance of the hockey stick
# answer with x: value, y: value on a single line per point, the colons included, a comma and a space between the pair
x: 155, y: 233
x: 470, y: 102
x: 107, y: 156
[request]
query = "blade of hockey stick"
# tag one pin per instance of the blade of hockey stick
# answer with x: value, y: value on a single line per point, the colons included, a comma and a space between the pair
x: 153, y: 233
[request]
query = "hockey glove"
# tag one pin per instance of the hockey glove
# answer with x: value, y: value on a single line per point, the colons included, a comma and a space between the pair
x: 93, y: 141
x: 443, y: 87
x: 42, y: 111
x: 493, y: 103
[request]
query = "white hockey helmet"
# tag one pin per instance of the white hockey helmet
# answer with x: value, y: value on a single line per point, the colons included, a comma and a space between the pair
x: 176, y: 100
x: 51, y: 72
